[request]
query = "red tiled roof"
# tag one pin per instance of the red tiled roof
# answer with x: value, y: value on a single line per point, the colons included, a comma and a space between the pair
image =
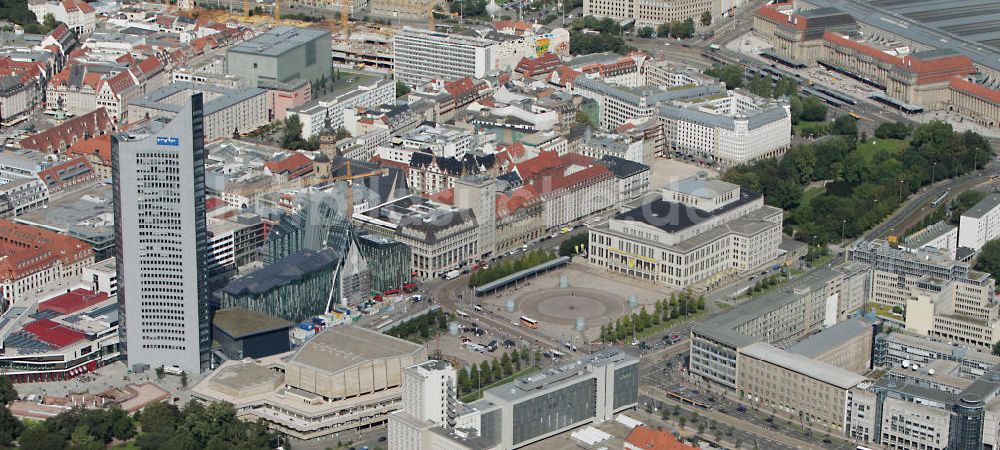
x: 566, y: 75
x: 518, y: 198
x: 389, y: 163
x: 862, y: 48
x: 511, y: 24
x: 446, y: 196
x: 293, y: 166
x: 213, y: 203
x: 69, y: 132
x: 976, y: 90
x: 99, y: 146
x: 53, y: 333
x: 786, y: 20
x: 72, y: 301
x: 649, y: 439
x: 534, y: 166
x: 25, y: 250
x: 538, y: 66
x: 460, y: 87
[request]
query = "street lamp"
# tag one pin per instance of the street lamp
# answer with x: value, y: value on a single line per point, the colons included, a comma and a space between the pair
x: 843, y: 228
x: 933, y: 173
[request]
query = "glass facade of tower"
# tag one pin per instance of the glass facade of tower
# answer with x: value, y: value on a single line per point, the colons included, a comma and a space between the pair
x: 389, y: 261
x: 540, y: 415
x: 294, y: 288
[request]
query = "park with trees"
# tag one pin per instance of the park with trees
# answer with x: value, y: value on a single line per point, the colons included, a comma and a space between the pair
x: 159, y: 426
x: 862, y: 184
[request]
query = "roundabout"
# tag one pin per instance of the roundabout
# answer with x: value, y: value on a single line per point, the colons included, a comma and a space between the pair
x: 563, y: 306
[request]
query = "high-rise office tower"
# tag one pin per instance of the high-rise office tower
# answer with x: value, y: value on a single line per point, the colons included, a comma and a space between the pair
x: 161, y: 241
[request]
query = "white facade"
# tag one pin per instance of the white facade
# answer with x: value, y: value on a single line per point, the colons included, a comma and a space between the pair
x: 980, y: 224
x: 102, y: 276
x: 76, y: 14
x: 329, y: 111
x: 656, y: 12
x: 657, y: 242
x: 421, y: 56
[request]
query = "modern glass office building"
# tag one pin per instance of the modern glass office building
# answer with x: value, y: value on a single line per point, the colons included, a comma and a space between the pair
x: 295, y: 288
x: 389, y: 261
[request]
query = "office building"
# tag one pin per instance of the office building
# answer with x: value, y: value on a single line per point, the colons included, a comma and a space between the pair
x: 162, y: 240
x: 102, y: 276
x: 656, y: 12
x: 327, y: 112
x: 980, y: 224
x: 242, y: 333
x: 479, y: 194
x: 846, y: 345
x: 421, y: 56
x: 36, y: 259
x: 293, y: 288
x: 815, y: 391
x: 696, y: 231
x: 730, y: 129
x: 342, y: 380
x: 904, y: 414
x: 60, y: 338
x: 632, y: 178
x: 389, y: 261
x: 86, y: 214
x: 516, y: 414
x: 943, y: 298
x: 619, y: 104
x: 800, y: 308
x: 21, y: 196
x: 282, y: 54
x: 440, y: 236
x: 226, y: 111
x: 940, y: 235
x: 893, y: 348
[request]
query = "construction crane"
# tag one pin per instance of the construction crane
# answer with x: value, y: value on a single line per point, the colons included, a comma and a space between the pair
x: 309, y: 181
x: 430, y: 15
x: 345, y: 9
x: 277, y: 10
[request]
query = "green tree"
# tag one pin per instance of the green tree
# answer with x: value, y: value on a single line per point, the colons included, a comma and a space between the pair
x: 485, y: 373
x: 475, y: 379
x: 989, y: 258
x: 7, y: 391
x: 184, y: 379
x: 731, y: 74
x: 10, y: 427
x: 497, y: 372
x: 293, y: 131
x: 40, y: 438
x: 892, y: 130
x: 996, y: 348
x: 663, y: 30
x: 706, y: 18
x: 401, y: 89
x: 506, y: 365
x: 49, y: 21
x: 159, y: 373
x: 845, y: 126
x: 646, y: 32
x: 158, y: 417
x: 813, y: 109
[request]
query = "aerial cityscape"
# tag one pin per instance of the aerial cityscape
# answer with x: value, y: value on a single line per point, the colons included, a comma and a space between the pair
x: 499, y: 224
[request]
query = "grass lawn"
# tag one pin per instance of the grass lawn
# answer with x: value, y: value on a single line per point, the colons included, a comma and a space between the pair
x: 797, y: 128
x: 884, y: 311
x: 875, y: 146
x: 476, y: 395
x: 810, y: 194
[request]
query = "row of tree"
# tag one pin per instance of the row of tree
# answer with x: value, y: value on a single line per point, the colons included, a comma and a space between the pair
x: 157, y: 427
x: 473, y: 377
x: 577, y: 241
x: 423, y: 326
x: 506, y: 267
x: 677, y: 305
x: 863, y: 189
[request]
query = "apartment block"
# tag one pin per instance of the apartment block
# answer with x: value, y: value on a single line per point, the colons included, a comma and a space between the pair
x: 980, y: 224
x: 421, y: 56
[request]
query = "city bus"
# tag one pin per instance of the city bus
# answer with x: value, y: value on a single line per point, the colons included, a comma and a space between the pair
x: 529, y: 322
x: 461, y: 313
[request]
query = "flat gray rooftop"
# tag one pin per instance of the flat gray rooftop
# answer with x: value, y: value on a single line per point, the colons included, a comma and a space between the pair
x: 830, y: 338
x: 339, y: 348
x: 984, y: 206
x: 240, y: 322
x: 977, y: 20
x: 722, y: 326
x: 816, y: 370
x: 246, y: 375
x: 223, y: 98
x: 278, y: 41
